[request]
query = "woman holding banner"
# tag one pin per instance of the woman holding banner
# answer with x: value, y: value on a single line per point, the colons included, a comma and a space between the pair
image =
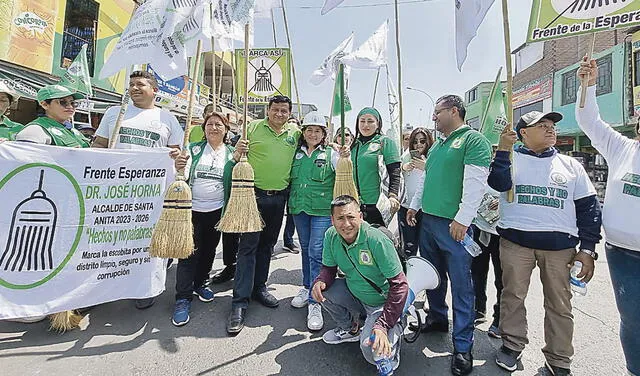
x: 55, y: 128
x: 208, y: 167
x: 370, y: 151
x: 413, y: 164
x: 312, y: 179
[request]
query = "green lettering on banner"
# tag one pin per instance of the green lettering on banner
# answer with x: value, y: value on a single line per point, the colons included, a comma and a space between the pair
x: 631, y: 190
x: 531, y: 189
x: 631, y: 178
x: 539, y: 201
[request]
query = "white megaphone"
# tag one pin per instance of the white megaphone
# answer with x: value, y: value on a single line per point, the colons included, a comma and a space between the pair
x: 421, y: 275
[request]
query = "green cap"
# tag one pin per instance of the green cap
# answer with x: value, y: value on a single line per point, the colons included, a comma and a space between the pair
x: 57, y: 91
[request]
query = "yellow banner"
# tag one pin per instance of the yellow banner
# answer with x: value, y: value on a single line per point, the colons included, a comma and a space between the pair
x: 27, y: 32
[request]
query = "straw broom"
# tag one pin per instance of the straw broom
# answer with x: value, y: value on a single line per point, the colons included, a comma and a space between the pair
x: 173, y: 234
x: 344, y: 184
x: 241, y: 214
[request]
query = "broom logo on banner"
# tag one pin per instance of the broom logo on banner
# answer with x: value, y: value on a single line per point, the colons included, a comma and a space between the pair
x: 266, y: 79
x: 586, y: 9
x: 45, y: 226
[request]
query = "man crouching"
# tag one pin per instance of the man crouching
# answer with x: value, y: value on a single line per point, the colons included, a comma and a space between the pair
x: 374, y: 288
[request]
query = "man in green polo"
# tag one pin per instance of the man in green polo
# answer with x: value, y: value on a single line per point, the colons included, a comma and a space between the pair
x: 374, y: 286
x: 8, y: 128
x: 271, y: 144
x: 455, y: 181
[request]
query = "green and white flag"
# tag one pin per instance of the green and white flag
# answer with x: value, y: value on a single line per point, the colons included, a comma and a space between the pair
x: 77, y: 76
x: 494, y: 119
x: 337, y: 98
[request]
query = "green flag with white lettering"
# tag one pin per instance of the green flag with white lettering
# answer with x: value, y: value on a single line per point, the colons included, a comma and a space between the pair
x: 337, y: 98
x: 493, y: 118
x: 77, y: 76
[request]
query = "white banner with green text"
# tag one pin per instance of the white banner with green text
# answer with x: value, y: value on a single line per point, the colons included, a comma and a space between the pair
x: 75, y: 226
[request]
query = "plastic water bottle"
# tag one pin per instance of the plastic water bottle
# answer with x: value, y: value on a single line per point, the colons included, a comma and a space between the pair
x: 384, y: 364
x: 472, y: 247
x: 577, y: 286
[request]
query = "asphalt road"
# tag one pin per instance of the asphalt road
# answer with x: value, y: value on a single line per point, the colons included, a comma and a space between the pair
x: 118, y: 339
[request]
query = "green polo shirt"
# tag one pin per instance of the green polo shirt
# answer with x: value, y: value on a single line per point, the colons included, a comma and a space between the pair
x: 372, y: 253
x: 312, y: 180
x: 271, y: 154
x: 9, y: 128
x: 365, y: 165
x: 445, y: 169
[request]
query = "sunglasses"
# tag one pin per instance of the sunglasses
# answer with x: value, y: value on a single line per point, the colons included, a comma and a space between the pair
x: 67, y: 103
x: 437, y: 112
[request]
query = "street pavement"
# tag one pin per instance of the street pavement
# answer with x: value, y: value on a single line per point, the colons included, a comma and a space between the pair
x: 117, y: 339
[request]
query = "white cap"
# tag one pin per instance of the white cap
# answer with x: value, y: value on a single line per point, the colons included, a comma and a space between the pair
x: 314, y: 118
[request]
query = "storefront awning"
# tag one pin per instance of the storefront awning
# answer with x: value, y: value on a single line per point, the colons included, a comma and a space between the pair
x: 26, y: 83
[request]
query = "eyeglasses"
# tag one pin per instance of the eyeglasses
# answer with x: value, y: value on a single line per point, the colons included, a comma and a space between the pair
x: 437, y: 112
x: 66, y: 103
x: 546, y: 126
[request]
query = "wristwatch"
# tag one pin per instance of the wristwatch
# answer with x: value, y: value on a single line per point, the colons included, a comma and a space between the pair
x: 591, y: 253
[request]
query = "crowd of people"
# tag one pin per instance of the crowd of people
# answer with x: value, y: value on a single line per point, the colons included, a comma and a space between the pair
x: 449, y: 190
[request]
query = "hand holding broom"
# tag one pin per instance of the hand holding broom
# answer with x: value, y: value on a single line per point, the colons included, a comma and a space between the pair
x: 344, y: 184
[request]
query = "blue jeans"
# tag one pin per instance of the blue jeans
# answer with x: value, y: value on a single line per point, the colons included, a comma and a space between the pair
x: 452, y: 262
x: 409, y: 235
x: 289, y: 230
x: 624, y: 265
x: 311, y: 231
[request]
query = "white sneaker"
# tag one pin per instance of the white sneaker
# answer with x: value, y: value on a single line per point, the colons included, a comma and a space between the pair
x: 301, y: 299
x: 314, y: 317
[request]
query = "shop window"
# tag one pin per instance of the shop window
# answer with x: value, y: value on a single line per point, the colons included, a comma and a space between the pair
x: 80, y: 27
x: 603, y: 83
x: 569, y: 87
x: 518, y: 112
x: 472, y: 95
x: 474, y: 123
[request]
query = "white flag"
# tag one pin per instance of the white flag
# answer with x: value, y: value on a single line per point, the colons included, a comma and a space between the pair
x: 329, y: 67
x: 329, y: 5
x: 469, y: 16
x: 394, y: 109
x: 263, y: 8
x: 372, y: 54
x: 157, y: 34
x: 225, y: 29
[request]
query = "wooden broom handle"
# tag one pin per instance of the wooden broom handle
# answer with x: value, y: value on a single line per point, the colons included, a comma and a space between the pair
x: 585, y: 79
x: 116, y: 130
x: 509, y: 109
x: 245, y: 85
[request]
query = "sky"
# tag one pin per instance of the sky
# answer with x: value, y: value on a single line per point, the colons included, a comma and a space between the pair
x: 427, y: 50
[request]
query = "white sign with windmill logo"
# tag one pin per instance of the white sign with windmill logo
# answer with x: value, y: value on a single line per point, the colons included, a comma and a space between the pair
x: 76, y: 227
x: 269, y: 74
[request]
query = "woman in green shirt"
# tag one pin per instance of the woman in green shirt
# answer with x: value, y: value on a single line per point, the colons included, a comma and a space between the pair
x: 8, y: 128
x: 55, y: 128
x: 312, y: 179
x: 369, y: 148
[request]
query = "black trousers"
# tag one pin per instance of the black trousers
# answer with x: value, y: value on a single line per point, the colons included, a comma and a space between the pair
x: 254, y: 251
x: 480, y: 271
x: 230, y: 242
x: 194, y: 271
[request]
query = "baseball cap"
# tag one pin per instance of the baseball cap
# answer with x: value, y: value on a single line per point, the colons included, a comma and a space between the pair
x: 532, y: 118
x: 57, y: 91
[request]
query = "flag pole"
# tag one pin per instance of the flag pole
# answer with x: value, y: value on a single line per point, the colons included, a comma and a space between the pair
x: 219, y: 91
x: 333, y: 101
x: 213, y: 64
x: 375, y: 88
x: 397, y: 19
x: 273, y: 28
x: 509, y: 109
x: 293, y: 66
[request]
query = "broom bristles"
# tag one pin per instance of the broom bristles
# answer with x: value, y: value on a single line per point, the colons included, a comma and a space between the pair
x: 241, y: 214
x: 63, y: 321
x: 173, y: 234
x: 344, y: 184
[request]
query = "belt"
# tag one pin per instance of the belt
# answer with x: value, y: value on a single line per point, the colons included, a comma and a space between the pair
x: 270, y: 192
